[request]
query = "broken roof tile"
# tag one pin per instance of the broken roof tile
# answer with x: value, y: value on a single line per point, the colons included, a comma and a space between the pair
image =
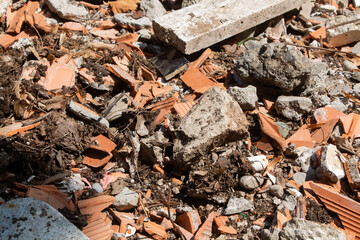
x: 301, y: 138
x: 182, y: 108
x: 270, y: 129
x: 327, y: 113
x: 205, y: 231
x: 347, y: 209
x: 99, y: 227
x: 57, y: 76
x: 95, y: 204
x: 197, y: 81
x: 16, y: 128
x: 155, y: 230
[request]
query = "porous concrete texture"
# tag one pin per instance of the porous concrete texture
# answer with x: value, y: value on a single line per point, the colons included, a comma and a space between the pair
x: 29, y: 218
x: 261, y: 67
x: 214, y: 120
x: 343, y: 30
x: 68, y: 9
x: 127, y: 20
x: 126, y: 200
x: 4, y: 4
x: 293, y: 107
x: 152, y: 8
x: 238, y: 205
x: 302, y: 229
x: 246, y: 97
x: 210, y: 21
x: 331, y: 164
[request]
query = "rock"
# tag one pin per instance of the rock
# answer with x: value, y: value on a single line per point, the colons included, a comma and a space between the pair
x: 208, y: 22
x: 349, y: 66
x: 320, y: 100
x: 29, y: 218
x: 302, y: 229
x: 356, y: 48
x: 262, y: 67
x: 338, y: 105
x: 299, y: 177
x: 152, y: 8
x: 213, y: 121
x: 128, y: 20
x: 353, y: 173
x: 276, y: 191
x: 355, y: 76
x: 126, y: 200
x: 186, y: 3
x: 331, y: 167
x: 97, y: 187
x: 248, y: 182
x: 289, y: 202
x: 154, y: 153
x: 68, y: 10
x: 4, y: 4
x: 237, y: 205
x: 119, y: 106
x: 246, y: 97
x: 270, y: 234
x: 144, y: 34
x: 356, y: 90
x: 343, y: 30
x: 293, y: 108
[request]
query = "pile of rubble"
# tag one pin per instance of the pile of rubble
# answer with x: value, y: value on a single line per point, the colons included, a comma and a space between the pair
x: 179, y: 119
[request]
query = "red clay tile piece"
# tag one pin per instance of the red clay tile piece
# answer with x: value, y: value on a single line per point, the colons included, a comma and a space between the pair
x: 96, y: 204
x: 185, y: 220
x: 197, y: 63
x: 155, y: 230
x: 99, y: 227
x: 128, y: 38
x: 318, y: 34
x: 158, y: 91
x: 73, y: 26
x: 57, y: 76
x: 31, y: 8
x: 123, y: 75
x: 106, y: 24
x: 166, y: 223
x: 186, y: 234
x: 147, y: 75
x: 323, y: 134
x: 205, y: 231
x: 51, y: 195
x: 347, y: 209
x: 96, y: 157
x: 220, y: 223
x: 106, y: 34
x: 268, y: 103
x: 271, y: 130
x: 16, y: 21
x: 123, y: 218
x: 281, y: 219
x: 40, y: 23
x: 327, y: 113
x: 16, y: 128
x: 89, y: 5
x: 157, y: 168
x: 176, y: 181
x: 7, y: 40
x: 105, y: 143
x: 259, y: 221
x: 301, y: 138
x: 197, y: 81
x: 351, y: 124
x: 182, y: 108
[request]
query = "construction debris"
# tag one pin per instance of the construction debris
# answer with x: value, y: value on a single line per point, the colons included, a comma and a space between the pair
x: 108, y: 133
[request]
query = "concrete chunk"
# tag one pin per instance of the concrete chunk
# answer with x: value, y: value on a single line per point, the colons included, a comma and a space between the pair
x: 214, y: 120
x: 29, y: 218
x: 203, y: 24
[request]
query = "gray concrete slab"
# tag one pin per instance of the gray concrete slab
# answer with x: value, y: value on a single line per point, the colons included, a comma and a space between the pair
x: 203, y: 24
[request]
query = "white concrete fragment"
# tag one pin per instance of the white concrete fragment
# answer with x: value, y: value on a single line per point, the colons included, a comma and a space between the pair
x: 4, y: 4
x: 128, y: 20
x: 68, y: 10
x: 152, y: 8
x: 304, y: 229
x: 87, y: 114
x: 293, y: 107
x: 237, y: 205
x: 203, y: 24
x: 126, y: 200
x: 29, y: 218
x: 331, y: 164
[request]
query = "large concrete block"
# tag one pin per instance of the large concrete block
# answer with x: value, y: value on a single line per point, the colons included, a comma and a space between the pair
x: 203, y: 24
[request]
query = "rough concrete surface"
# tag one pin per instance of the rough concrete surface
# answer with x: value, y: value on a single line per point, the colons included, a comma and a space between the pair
x: 292, y: 107
x: 302, y: 229
x: 331, y: 166
x: 261, y: 67
x: 127, y: 19
x: 213, y: 121
x: 68, y: 10
x: 203, y: 24
x: 126, y: 200
x: 152, y: 8
x: 29, y: 218
x: 238, y: 205
x: 246, y: 97
x: 4, y: 4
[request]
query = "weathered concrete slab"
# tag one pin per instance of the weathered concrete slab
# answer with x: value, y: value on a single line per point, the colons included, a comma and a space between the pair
x: 203, y: 24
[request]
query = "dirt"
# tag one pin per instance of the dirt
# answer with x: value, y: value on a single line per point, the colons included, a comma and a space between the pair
x: 316, y: 212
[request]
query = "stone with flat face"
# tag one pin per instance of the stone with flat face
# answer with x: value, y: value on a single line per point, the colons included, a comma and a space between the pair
x: 203, y: 24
